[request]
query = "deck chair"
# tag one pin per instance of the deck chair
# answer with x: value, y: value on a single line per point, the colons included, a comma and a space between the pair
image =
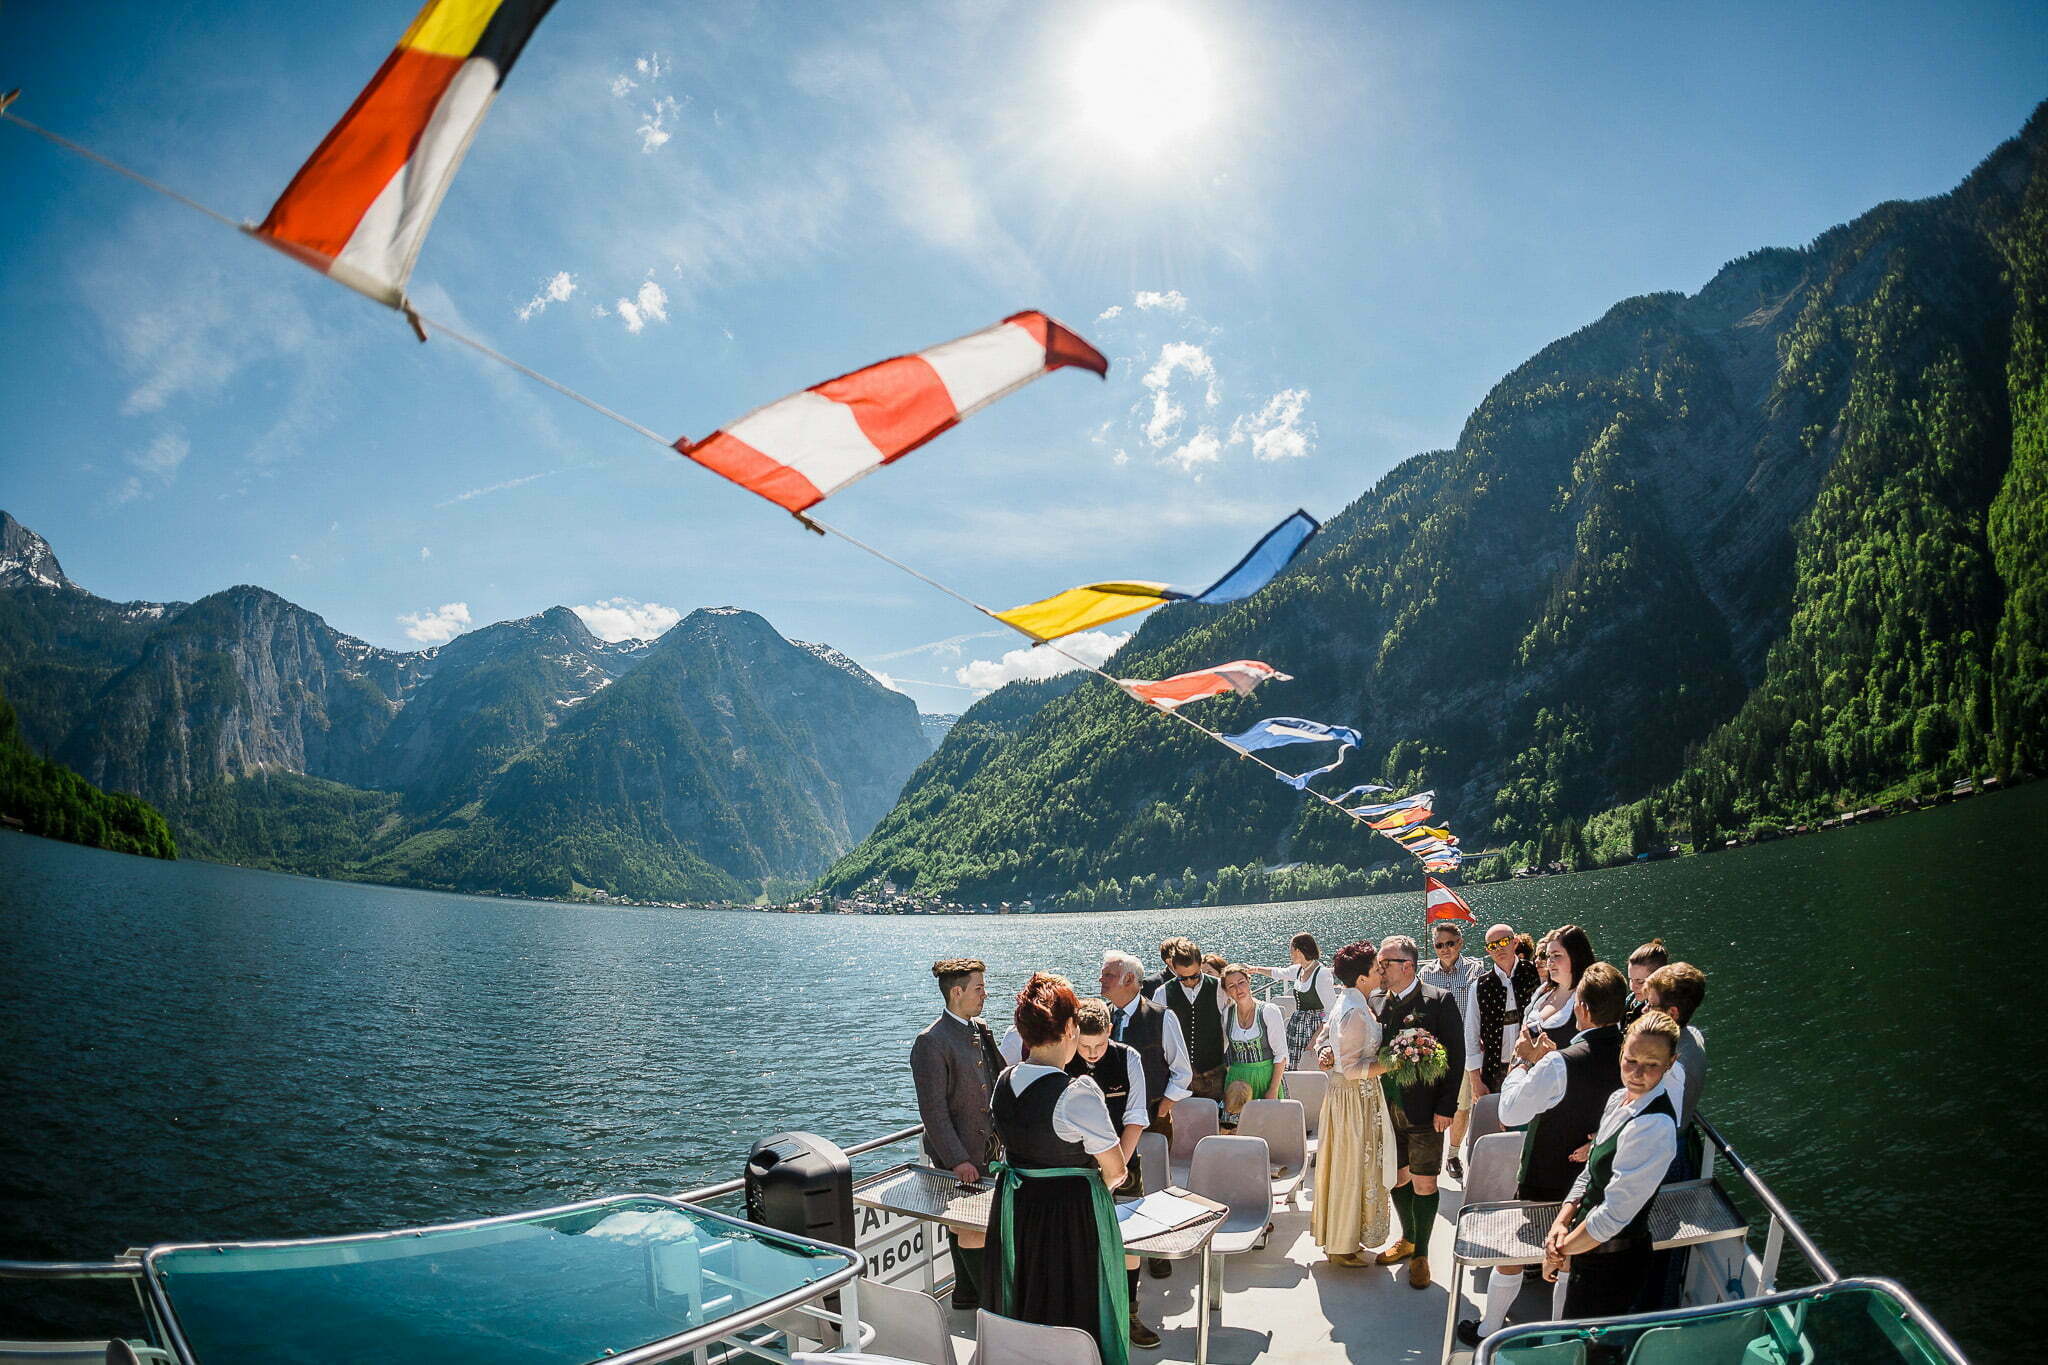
x: 1716, y: 1339
x: 1236, y: 1172
x: 1494, y: 1169
x: 1549, y: 1353
x: 76, y: 1353
x: 1005, y: 1341
x: 1481, y: 1121
x: 1193, y: 1120
x: 1155, y: 1162
x: 1311, y: 1088
x: 1282, y: 1123
x: 909, y: 1324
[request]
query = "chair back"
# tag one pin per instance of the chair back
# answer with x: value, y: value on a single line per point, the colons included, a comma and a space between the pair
x: 1495, y: 1168
x: 1155, y: 1162
x: 1235, y: 1171
x: 79, y: 1353
x: 1549, y: 1353
x: 909, y: 1323
x: 1005, y: 1341
x: 1719, y: 1339
x: 1484, y: 1118
x: 1284, y: 1126
x: 1311, y: 1088
x: 1193, y: 1120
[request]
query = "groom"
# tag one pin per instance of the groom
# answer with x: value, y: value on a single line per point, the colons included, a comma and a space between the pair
x: 1421, y: 1112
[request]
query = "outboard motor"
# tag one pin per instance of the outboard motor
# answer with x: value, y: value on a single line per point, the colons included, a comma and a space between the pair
x: 801, y: 1183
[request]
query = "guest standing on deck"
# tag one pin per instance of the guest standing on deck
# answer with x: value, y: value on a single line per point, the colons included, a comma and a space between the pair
x: 1120, y: 1072
x: 1567, y: 952
x: 1196, y: 1000
x: 1059, y: 1259
x: 1356, y: 1166
x: 1423, y: 1110
x: 1454, y: 973
x: 1641, y: 963
x: 1315, y: 989
x: 954, y: 1065
x: 1257, y: 1042
x: 1602, y: 1233
x: 1501, y: 995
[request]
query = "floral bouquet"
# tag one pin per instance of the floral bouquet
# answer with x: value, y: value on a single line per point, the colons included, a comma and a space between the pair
x: 1416, y: 1057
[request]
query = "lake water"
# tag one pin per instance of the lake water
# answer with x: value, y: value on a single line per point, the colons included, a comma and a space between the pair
x: 190, y: 1051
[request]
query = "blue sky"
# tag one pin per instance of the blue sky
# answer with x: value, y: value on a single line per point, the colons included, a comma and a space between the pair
x: 1311, y: 236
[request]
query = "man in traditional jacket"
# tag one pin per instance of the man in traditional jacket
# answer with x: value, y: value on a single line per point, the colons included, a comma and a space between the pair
x: 1421, y: 1111
x: 1499, y: 996
x: 954, y: 1066
x: 1195, y: 999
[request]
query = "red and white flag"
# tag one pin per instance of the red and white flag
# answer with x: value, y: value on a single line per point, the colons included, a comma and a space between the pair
x: 1444, y: 903
x: 799, y: 450
x: 1239, y: 676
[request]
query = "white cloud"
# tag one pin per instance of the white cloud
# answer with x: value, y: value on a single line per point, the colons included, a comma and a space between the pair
x: 653, y: 66
x: 946, y: 648
x: 155, y: 465
x: 555, y: 289
x: 623, y: 86
x: 625, y: 618
x: 495, y: 488
x: 1203, y: 449
x: 1172, y: 301
x: 1276, y: 431
x: 438, y: 626
x: 649, y: 305
x: 653, y: 130
x: 1039, y: 661
x: 885, y: 680
x: 1106, y: 314
x: 425, y: 554
x: 1167, y: 413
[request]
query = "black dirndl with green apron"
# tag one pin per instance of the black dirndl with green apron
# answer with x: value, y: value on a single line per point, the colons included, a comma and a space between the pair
x: 1056, y: 1251
x: 1607, y: 1281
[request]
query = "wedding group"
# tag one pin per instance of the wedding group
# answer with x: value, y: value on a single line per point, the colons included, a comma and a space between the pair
x: 1600, y: 1067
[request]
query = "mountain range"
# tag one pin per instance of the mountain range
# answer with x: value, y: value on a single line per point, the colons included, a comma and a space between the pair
x: 528, y: 756
x: 1741, y: 555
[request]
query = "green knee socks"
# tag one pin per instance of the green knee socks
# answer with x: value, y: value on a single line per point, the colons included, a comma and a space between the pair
x: 1424, y: 1208
x: 1404, y: 1209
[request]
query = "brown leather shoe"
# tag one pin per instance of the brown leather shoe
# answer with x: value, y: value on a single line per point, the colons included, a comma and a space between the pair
x: 1395, y: 1254
x: 1349, y: 1260
x: 1418, y: 1273
x: 1141, y: 1335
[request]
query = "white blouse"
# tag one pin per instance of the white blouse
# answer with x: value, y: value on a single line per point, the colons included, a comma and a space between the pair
x: 1082, y: 1113
x: 1317, y: 974
x: 1266, y: 1017
x: 1353, y: 1034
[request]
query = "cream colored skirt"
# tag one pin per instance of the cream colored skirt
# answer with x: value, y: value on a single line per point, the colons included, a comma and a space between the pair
x: 1354, y: 1169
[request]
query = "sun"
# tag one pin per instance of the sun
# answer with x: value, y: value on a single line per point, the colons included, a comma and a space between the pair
x: 1143, y: 79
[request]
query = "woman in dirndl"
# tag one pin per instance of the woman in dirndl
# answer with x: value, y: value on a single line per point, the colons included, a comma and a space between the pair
x: 1315, y: 990
x: 1255, y: 1044
x: 1058, y: 1254
x: 1356, y: 1166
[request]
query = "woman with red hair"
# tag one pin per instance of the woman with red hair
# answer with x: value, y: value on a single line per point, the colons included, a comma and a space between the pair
x: 1059, y: 1258
x: 1355, y: 1169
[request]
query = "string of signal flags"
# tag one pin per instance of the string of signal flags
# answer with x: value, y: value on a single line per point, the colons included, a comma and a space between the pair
x: 359, y: 209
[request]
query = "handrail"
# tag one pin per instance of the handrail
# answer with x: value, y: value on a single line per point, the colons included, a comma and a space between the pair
x: 70, y: 1270
x: 734, y: 1186
x: 1814, y: 1257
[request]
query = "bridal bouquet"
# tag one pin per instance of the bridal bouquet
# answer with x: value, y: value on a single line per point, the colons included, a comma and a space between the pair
x: 1416, y: 1057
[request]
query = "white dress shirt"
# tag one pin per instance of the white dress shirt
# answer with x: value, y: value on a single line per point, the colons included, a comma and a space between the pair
x: 1353, y: 1034
x: 1180, y: 1068
x: 1318, y: 974
x: 1081, y: 1115
x: 1135, y: 1111
x: 1641, y: 1157
x: 1557, y: 1011
x: 1531, y: 1090
x: 1473, y: 1056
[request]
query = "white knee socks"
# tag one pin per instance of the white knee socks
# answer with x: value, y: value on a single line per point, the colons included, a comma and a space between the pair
x: 1501, y: 1289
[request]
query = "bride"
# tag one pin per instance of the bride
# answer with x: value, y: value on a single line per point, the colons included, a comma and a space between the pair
x: 1356, y: 1166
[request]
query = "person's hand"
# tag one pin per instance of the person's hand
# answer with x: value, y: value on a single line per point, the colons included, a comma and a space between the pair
x: 1165, y: 1108
x: 1375, y: 1069
x: 1553, y: 1266
x: 966, y: 1173
x: 1534, y: 1048
x: 1326, y: 1059
x: 1443, y: 1122
x: 1479, y: 1085
x: 1580, y: 1154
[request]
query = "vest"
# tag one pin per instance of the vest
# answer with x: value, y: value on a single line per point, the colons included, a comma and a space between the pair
x: 1025, y: 1124
x: 1310, y: 998
x: 1201, y: 1022
x: 1600, y: 1170
x: 1146, y: 1035
x: 1592, y: 1073
x: 1113, y: 1074
x: 1255, y: 1049
x: 1495, y: 1016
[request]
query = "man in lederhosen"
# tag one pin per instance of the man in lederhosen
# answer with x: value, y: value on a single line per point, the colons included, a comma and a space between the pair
x: 1422, y: 1111
x: 954, y: 1065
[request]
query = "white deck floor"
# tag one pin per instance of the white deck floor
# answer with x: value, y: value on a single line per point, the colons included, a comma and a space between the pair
x: 1284, y: 1303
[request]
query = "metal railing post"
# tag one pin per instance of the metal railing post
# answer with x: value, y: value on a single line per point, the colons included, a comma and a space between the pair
x: 1774, y: 1248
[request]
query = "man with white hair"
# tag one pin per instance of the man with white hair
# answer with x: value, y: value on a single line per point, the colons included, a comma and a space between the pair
x: 1154, y: 1033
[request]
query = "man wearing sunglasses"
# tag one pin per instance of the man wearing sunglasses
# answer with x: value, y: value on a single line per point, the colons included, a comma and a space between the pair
x: 1196, y: 1001
x: 1503, y: 990
x: 1455, y: 974
x: 1422, y: 1111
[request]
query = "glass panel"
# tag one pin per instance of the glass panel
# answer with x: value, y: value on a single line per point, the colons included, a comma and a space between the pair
x: 1852, y: 1325
x: 558, y: 1289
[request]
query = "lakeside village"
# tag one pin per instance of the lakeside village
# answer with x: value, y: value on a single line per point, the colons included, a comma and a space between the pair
x: 883, y: 897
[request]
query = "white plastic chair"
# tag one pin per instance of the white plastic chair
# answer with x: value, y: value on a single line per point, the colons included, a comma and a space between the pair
x: 1311, y: 1088
x: 1494, y: 1169
x: 1155, y: 1162
x: 1193, y: 1120
x: 1482, y: 1119
x: 1005, y: 1341
x: 1284, y: 1126
x: 1235, y: 1172
x: 909, y: 1324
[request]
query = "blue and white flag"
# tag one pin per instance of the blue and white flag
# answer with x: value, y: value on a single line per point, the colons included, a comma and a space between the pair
x: 1405, y: 803
x: 1275, y: 731
x: 1361, y: 789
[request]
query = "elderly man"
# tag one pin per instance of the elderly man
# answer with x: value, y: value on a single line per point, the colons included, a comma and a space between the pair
x: 1421, y: 1111
x: 1154, y: 1034
x: 1499, y: 996
x: 954, y: 1066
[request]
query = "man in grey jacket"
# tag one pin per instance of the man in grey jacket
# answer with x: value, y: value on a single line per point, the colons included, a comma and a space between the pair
x: 954, y: 1065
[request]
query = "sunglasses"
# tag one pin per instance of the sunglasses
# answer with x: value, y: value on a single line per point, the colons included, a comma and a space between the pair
x: 1493, y: 943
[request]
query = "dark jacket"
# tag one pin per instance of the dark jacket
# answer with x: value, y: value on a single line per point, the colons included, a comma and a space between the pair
x: 1426, y: 1007
x: 954, y: 1067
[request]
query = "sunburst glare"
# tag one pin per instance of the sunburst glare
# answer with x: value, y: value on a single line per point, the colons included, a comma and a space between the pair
x: 1143, y: 79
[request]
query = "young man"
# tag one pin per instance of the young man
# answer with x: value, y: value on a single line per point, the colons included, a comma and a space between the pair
x: 1679, y: 989
x: 1456, y: 974
x: 1155, y: 1035
x: 1503, y: 991
x: 1641, y: 963
x: 1195, y: 999
x: 1423, y: 1111
x: 1560, y: 1095
x: 954, y: 1065
x: 1602, y: 1232
x: 1120, y: 1072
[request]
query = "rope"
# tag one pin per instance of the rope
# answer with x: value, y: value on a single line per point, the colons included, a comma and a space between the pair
x: 825, y: 528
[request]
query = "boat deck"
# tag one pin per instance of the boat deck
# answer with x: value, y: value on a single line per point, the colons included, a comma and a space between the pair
x: 1284, y: 1303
